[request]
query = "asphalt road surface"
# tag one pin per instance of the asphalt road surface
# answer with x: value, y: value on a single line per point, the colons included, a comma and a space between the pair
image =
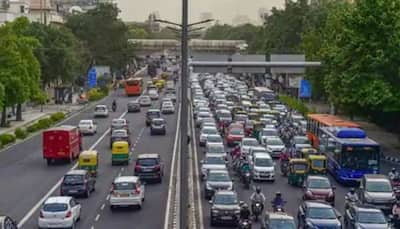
x: 25, y: 177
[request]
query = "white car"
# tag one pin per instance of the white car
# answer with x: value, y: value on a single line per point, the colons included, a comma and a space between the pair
x: 267, y: 132
x: 215, y: 148
x: 274, y: 146
x: 153, y: 94
x: 167, y: 108
x: 144, y: 100
x: 59, y: 212
x: 214, y: 138
x: 214, y: 162
x: 247, y: 143
x: 263, y: 167
x: 202, y: 115
x: 127, y: 191
x: 87, y: 127
x: 101, y: 111
x: 205, y: 132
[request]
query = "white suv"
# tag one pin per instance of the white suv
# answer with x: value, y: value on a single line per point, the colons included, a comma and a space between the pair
x: 127, y: 191
x: 59, y: 211
x: 263, y: 167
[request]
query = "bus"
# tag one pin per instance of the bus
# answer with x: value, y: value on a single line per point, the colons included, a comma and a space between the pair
x: 316, y: 121
x: 350, y: 153
x: 133, y: 86
x: 264, y: 93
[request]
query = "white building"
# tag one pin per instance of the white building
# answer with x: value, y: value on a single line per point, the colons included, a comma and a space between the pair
x: 11, y: 9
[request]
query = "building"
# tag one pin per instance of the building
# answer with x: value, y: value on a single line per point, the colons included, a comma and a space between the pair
x: 43, y: 12
x: 10, y: 10
x: 262, y: 13
x: 241, y: 19
x: 153, y: 26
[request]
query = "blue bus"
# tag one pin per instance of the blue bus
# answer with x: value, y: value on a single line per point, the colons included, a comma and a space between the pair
x: 350, y: 153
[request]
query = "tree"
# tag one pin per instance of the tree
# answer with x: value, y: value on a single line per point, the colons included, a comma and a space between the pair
x: 137, y: 32
x: 19, y: 68
x: 105, y: 35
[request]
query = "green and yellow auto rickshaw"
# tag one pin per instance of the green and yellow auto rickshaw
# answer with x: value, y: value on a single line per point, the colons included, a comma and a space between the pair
x: 306, y: 152
x: 120, y: 153
x: 317, y: 164
x: 254, y: 116
x: 298, y: 169
x: 89, y: 160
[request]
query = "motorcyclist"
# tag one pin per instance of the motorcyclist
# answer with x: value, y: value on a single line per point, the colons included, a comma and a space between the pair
x: 235, y: 152
x: 278, y: 200
x: 257, y: 197
x: 393, y: 174
x: 351, y: 196
x: 245, y: 212
x: 245, y: 167
x: 114, y: 105
x: 396, y: 214
x: 285, y: 156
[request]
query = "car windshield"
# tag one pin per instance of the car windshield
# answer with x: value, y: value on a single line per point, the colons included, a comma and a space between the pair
x: 216, y: 149
x: 250, y: 142
x: 301, y: 140
x: 204, y: 114
x: 118, y: 122
x: 121, y: 186
x: 237, y: 132
x: 224, y: 115
x: 158, y: 122
x: 281, y: 224
x: 144, y: 98
x: 214, y: 138
x: 319, y: 183
x: 55, y: 207
x: 218, y: 177
x: 321, y: 213
x: 85, y: 122
x: 263, y: 162
x: 274, y: 142
x: 371, y: 217
x: 378, y: 186
x: 73, y: 179
x: 100, y: 109
x: 215, y: 161
x: 225, y: 199
x: 147, y: 161
x: 209, y: 131
x: 119, y: 133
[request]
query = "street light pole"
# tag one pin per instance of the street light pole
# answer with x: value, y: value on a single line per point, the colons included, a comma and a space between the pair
x: 184, y: 207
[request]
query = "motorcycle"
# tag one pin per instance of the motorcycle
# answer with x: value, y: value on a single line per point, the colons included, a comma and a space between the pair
x: 284, y: 167
x: 247, y: 180
x: 396, y: 182
x: 257, y: 210
x: 278, y: 208
x: 349, y: 202
x: 114, y: 107
x: 244, y: 224
x: 396, y: 221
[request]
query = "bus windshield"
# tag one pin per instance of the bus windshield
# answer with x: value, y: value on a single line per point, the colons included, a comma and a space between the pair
x: 132, y: 82
x: 360, y: 157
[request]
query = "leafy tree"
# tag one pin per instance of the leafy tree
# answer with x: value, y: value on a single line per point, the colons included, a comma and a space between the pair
x: 19, y: 68
x: 105, y: 35
x: 137, y: 32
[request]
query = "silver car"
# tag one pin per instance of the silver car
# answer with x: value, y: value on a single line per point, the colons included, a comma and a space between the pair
x: 101, y: 111
x: 217, y: 180
x: 377, y: 190
x: 212, y: 161
x: 127, y: 191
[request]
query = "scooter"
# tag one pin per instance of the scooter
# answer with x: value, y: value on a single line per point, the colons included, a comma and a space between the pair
x: 284, y: 167
x: 247, y: 180
x: 244, y: 224
x: 114, y: 107
x: 257, y: 210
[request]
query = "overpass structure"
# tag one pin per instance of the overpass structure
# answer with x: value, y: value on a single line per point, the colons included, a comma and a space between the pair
x: 146, y: 46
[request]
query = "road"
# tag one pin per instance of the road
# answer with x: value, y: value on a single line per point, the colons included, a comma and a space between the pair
x: 26, y: 178
x: 293, y: 195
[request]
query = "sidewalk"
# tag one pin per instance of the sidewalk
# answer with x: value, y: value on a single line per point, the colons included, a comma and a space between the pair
x: 32, y: 114
x: 389, y: 141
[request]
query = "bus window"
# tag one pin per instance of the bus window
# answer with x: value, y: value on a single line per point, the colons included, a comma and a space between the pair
x: 132, y: 82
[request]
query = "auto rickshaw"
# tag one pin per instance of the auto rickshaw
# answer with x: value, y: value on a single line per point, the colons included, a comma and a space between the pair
x: 257, y: 127
x: 164, y: 76
x: 254, y: 116
x: 120, y: 153
x: 317, y: 164
x: 306, y: 152
x: 89, y: 160
x: 298, y: 169
x: 160, y: 84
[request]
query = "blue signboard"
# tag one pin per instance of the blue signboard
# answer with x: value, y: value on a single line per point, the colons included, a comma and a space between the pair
x: 92, y: 78
x: 305, y: 89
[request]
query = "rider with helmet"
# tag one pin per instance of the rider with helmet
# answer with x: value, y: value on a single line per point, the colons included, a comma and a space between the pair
x: 351, y: 196
x: 393, y: 174
x: 396, y: 214
x: 114, y: 105
x: 257, y: 197
x: 245, y: 212
x: 278, y: 200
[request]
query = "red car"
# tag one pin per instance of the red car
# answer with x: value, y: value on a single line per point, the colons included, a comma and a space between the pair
x: 234, y: 136
x: 319, y: 188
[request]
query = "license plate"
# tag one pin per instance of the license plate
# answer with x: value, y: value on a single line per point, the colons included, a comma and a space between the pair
x: 73, y: 191
x: 147, y: 170
x: 124, y: 195
x: 60, y: 153
x: 226, y: 217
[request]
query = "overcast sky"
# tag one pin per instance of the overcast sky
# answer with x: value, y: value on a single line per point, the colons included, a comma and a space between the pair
x: 222, y: 10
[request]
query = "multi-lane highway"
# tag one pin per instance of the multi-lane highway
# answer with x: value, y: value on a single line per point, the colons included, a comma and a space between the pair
x: 27, y: 180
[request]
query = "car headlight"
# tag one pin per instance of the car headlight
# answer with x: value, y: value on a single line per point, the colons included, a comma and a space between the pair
x: 269, y: 149
x: 330, y: 194
x: 368, y: 198
x: 310, y: 225
x: 208, y: 186
x: 237, y: 212
x: 215, y: 211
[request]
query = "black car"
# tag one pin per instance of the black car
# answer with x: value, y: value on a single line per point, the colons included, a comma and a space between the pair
x: 152, y: 113
x: 158, y: 126
x: 149, y: 166
x: 77, y: 183
x: 7, y: 223
x: 133, y: 106
x: 225, y: 208
x: 316, y: 214
x: 119, y: 135
x: 366, y: 217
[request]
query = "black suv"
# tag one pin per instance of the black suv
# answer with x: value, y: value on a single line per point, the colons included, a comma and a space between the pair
x: 149, y: 167
x: 152, y: 113
x: 225, y: 208
x: 158, y: 126
x: 77, y: 183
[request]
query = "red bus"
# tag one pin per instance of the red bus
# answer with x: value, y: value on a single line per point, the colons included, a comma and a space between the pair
x: 133, y: 86
x: 316, y: 121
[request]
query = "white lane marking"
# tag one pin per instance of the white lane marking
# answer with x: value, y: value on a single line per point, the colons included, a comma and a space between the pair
x: 92, y: 227
x: 97, y: 217
x: 57, y: 185
x: 108, y: 197
x: 196, y: 166
x: 170, y: 186
x: 102, y: 207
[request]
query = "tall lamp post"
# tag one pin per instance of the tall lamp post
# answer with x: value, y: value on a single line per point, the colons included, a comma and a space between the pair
x: 184, y: 29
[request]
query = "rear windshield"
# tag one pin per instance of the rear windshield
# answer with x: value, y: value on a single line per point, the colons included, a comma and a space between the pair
x: 148, y: 162
x: 158, y: 122
x: 153, y: 114
x: 73, y: 179
x: 100, y: 109
x: 118, y: 122
x: 55, y: 207
x: 124, y: 186
x: 132, y: 82
x: 119, y: 134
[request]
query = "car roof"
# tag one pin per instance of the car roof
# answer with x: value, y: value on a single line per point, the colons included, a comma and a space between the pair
x: 157, y: 119
x: 279, y: 215
x: 126, y: 179
x: 251, y: 139
x: 317, y: 204
x: 262, y: 155
x: 366, y: 208
x: 101, y: 105
x: 376, y: 177
x: 153, y: 110
x: 258, y: 148
x: 58, y: 199
x: 148, y: 155
x: 225, y: 192
x: 77, y: 172
x: 86, y: 120
x: 133, y: 101
x: 218, y: 171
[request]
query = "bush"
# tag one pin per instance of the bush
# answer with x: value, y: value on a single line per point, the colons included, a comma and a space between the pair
x: 6, y: 139
x: 20, y: 133
x: 32, y: 128
x: 104, y: 90
x: 95, y: 94
x: 45, y: 123
x: 56, y: 117
x: 295, y: 104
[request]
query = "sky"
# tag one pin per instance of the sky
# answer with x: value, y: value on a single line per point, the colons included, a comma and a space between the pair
x: 222, y: 10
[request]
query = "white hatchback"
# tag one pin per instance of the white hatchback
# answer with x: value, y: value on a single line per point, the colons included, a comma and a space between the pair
x: 87, y: 127
x: 101, y: 111
x: 59, y: 212
x: 127, y: 191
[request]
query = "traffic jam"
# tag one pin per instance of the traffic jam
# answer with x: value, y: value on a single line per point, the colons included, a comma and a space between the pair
x: 264, y: 165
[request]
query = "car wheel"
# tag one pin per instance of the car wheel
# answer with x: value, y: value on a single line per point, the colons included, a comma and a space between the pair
x: 212, y: 223
x: 49, y: 161
x: 139, y: 206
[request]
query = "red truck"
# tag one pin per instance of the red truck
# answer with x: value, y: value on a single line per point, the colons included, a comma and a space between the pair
x: 61, y: 143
